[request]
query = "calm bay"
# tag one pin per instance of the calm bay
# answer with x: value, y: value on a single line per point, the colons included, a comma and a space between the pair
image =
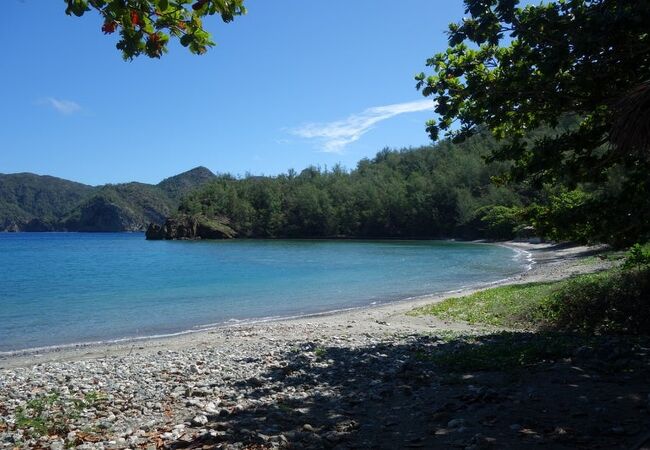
x: 64, y: 288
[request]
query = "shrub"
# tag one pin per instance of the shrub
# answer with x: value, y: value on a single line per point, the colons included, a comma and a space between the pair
x: 497, y: 222
x: 616, y: 301
x: 639, y: 255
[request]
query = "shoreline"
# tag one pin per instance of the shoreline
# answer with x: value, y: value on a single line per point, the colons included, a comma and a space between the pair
x: 166, y: 331
x: 538, y: 256
x: 369, y: 378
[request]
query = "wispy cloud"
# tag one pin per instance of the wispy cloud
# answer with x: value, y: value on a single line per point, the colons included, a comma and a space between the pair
x: 334, y: 136
x: 63, y: 106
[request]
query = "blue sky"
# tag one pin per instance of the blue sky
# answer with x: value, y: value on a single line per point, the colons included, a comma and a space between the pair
x: 290, y: 84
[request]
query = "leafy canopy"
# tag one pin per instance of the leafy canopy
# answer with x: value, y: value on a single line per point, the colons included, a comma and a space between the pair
x: 145, y: 26
x: 512, y: 69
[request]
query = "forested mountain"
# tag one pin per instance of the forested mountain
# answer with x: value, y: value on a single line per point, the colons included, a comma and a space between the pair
x: 31, y: 202
x: 436, y: 191
x: 179, y: 185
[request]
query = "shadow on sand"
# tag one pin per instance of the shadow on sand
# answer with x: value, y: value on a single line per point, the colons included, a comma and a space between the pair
x: 503, y: 390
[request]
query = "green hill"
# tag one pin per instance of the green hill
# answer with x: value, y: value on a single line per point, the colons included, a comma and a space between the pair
x: 439, y: 191
x: 30, y: 202
x: 124, y: 207
x: 178, y: 186
x: 28, y: 198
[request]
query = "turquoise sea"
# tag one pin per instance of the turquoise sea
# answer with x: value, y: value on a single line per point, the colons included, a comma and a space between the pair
x: 64, y: 288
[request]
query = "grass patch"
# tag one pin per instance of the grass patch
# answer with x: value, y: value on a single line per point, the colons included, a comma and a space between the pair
x: 504, y: 351
x: 513, y: 352
x: 45, y: 415
x: 616, y: 301
x: 513, y: 306
x: 51, y: 414
x: 607, y: 255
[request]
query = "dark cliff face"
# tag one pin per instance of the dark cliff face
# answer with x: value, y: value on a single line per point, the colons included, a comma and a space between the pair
x: 190, y: 227
x: 125, y: 207
x: 39, y: 225
x: 99, y: 214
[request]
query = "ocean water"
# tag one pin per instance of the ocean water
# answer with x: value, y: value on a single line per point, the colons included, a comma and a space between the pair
x: 64, y: 288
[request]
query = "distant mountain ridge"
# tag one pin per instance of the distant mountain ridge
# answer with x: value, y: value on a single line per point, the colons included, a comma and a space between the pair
x: 30, y: 202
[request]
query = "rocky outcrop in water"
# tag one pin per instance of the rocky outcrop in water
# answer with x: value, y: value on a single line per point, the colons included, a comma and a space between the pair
x: 190, y: 227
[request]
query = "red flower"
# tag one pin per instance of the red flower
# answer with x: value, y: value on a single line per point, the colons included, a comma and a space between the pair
x: 109, y: 27
x: 135, y: 18
x: 154, y: 45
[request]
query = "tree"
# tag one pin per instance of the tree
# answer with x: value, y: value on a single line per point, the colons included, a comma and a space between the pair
x: 145, y: 26
x: 511, y: 70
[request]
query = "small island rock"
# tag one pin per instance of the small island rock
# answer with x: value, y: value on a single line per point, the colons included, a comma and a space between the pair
x: 190, y: 227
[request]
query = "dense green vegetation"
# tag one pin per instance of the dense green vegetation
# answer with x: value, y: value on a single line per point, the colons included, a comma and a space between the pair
x: 612, y: 301
x: 25, y: 196
x: 607, y: 302
x: 578, y: 71
x: 127, y: 206
x: 180, y: 185
x: 439, y: 191
x: 31, y: 202
x: 511, y: 69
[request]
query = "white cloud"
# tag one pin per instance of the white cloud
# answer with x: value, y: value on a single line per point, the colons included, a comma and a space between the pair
x: 334, y: 136
x: 63, y: 106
